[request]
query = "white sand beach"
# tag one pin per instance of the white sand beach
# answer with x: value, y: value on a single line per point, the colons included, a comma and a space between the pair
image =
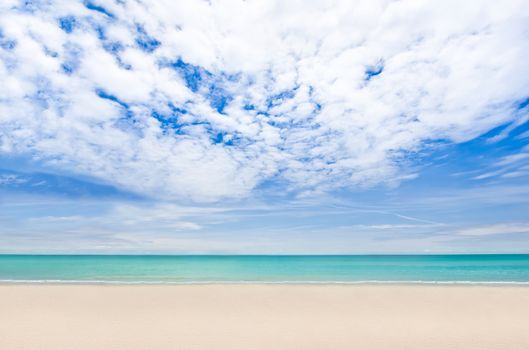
x: 88, y: 317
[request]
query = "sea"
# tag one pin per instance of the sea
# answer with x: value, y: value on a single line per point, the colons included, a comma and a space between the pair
x: 282, y: 269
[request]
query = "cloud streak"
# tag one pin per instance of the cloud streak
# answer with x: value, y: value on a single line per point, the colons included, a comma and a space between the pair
x: 497, y: 229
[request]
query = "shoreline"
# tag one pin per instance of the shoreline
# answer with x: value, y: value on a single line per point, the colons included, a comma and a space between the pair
x: 264, y: 283
x: 263, y: 316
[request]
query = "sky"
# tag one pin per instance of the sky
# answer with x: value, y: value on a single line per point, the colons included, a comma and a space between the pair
x: 264, y: 127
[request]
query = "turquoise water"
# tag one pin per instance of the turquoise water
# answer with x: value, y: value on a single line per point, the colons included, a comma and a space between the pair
x: 266, y: 269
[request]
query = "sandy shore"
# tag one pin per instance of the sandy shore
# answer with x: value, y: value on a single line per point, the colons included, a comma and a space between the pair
x: 61, y: 317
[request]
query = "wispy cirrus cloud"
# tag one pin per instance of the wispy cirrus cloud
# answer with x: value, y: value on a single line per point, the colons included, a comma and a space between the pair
x: 455, y: 223
x: 208, y: 100
x: 496, y: 229
x: 9, y: 179
x: 509, y: 166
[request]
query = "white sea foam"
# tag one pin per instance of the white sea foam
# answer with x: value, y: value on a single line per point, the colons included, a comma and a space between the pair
x: 366, y: 282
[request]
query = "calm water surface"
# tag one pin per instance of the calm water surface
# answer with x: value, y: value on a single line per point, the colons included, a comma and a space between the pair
x: 266, y: 269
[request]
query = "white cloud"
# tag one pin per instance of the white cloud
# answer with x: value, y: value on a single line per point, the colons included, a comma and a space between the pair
x: 326, y: 225
x: 495, y: 229
x: 322, y: 117
x: 509, y: 166
x: 513, y: 158
x: 11, y: 180
x: 163, y: 220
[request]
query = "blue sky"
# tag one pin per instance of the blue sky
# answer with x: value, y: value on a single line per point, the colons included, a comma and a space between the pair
x: 264, y: 127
